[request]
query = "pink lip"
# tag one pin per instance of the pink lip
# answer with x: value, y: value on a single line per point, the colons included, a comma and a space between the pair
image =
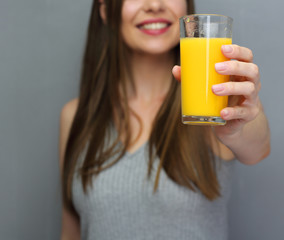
x: 154, y: 20
x: 154, y: 32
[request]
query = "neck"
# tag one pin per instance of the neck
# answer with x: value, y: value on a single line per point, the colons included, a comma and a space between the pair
x: 151, y: 76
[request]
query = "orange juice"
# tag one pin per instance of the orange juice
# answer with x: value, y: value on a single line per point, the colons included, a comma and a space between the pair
x: 198, y: 74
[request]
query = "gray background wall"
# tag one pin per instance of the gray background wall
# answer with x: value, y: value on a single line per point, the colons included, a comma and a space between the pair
x: 41, y: 44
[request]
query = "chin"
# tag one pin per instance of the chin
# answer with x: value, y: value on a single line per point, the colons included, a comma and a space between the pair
x: 158, y: 49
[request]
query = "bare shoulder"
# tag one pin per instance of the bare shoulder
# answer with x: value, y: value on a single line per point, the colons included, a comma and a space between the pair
x: 221, y: 150
x: 66, y: 118
x: 68, y: 111
x: 70, y: 227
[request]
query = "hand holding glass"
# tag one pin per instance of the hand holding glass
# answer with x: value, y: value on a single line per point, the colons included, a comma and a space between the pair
x: 200, y: 46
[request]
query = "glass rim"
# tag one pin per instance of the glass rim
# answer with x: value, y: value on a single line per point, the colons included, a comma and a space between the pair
x: 204, y: 14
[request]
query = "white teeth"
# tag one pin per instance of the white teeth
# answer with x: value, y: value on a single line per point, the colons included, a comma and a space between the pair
x: 154, y: 26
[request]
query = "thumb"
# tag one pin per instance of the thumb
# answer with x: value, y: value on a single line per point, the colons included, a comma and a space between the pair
x: 177, y: 73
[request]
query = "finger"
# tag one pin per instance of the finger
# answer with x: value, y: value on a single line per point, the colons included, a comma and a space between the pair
x: 236, y: 52
x: 248, y: 70
x: 177, y: 73
x: 240, y: 113
x: 246, y: 89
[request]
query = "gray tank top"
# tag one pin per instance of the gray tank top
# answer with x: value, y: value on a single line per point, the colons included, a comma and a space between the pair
x: 122, y: 206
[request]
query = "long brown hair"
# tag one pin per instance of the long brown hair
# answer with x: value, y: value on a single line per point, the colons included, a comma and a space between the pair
x: 184, y: 151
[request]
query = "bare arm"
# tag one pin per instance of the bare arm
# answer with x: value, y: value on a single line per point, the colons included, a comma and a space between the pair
x: 70, y: 229
x: 251, y: 143
x: 246, y: 134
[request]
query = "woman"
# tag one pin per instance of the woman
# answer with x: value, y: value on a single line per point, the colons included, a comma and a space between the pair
x: 130, y: 168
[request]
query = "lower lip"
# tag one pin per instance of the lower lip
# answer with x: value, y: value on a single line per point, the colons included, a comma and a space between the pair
x: 154, y: 32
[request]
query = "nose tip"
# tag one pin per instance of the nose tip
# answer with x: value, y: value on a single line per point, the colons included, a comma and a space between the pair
x: 154, y: 5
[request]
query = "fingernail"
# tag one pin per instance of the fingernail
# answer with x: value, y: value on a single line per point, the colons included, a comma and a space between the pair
x: 220, y: 66
x: 227, y: 48
x: 225, y: 113
x: 218, y: 88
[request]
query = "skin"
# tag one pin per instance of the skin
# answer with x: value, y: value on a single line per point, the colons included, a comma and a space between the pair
x: 245, y: 136
x: 136, y: 11
x: 70, y: 225
x: 152, y: 74
x: 151, y: 60
x: 246, y: 133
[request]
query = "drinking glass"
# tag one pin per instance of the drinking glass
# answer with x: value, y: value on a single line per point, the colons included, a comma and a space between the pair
x: 201, y: 38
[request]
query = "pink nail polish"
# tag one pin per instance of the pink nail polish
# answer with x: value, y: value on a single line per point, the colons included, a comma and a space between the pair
x: 220, y: 66
x: 225, y: 113
x: 218, y: 88
x: 227, y: 48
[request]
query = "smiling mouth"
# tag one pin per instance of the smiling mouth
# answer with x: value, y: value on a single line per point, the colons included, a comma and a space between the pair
x: 154, y: 26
